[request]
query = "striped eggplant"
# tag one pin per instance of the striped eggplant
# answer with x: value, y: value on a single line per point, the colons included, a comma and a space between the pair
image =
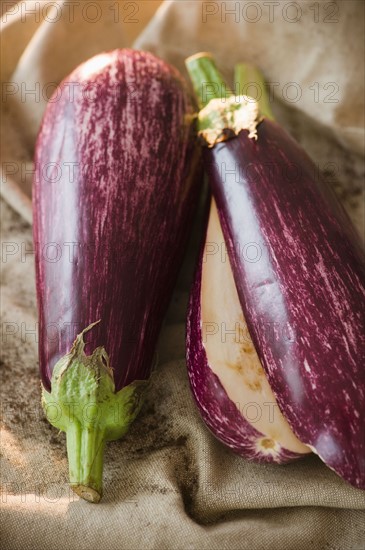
x: 303, y: 295
x: 117, y: 168
x: 225, y: 373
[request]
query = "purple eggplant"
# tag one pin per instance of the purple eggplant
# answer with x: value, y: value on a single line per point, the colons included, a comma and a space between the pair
x: 117, y: 168
x: 225, y: 373
x: 303, y: 296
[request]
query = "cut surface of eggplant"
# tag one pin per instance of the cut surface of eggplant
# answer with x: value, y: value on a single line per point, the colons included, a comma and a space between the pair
x: 230, y: 352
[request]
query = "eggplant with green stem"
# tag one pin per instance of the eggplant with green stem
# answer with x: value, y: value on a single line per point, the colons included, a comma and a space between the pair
x: 117, y: 171
x: 303, y: 298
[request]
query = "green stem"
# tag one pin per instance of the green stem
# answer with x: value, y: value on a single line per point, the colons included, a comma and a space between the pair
x: 223, y: 115
x: 208, y: 83
x: 246, y: 75
x: 85, y: 450
x: 90, y: 412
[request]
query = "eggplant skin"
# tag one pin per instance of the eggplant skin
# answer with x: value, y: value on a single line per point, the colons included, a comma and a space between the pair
x: 307, y: 281
x: 219, y: 413
x: 117, y: 172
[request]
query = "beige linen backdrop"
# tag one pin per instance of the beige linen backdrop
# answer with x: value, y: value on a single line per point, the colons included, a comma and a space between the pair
x: 169, y: 484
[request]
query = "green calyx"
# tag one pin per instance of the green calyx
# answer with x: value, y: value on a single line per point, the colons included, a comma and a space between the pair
x: 224, y: 114
x: 223, y: 119
x: 83, y: 403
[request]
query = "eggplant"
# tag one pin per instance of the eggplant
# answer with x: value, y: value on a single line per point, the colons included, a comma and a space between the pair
x: 227, y: 379
x: 117, y: 172
x: 224, y: 370
x: 303, y: 297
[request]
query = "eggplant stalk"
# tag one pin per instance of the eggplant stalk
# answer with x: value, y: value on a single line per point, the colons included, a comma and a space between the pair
x: 224, y: 115
x: 208, y: 83
x: 246, y: 75
x: 83, y: 403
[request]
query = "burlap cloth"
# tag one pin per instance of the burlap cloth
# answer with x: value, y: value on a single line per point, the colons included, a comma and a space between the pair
x: 169, y: 484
